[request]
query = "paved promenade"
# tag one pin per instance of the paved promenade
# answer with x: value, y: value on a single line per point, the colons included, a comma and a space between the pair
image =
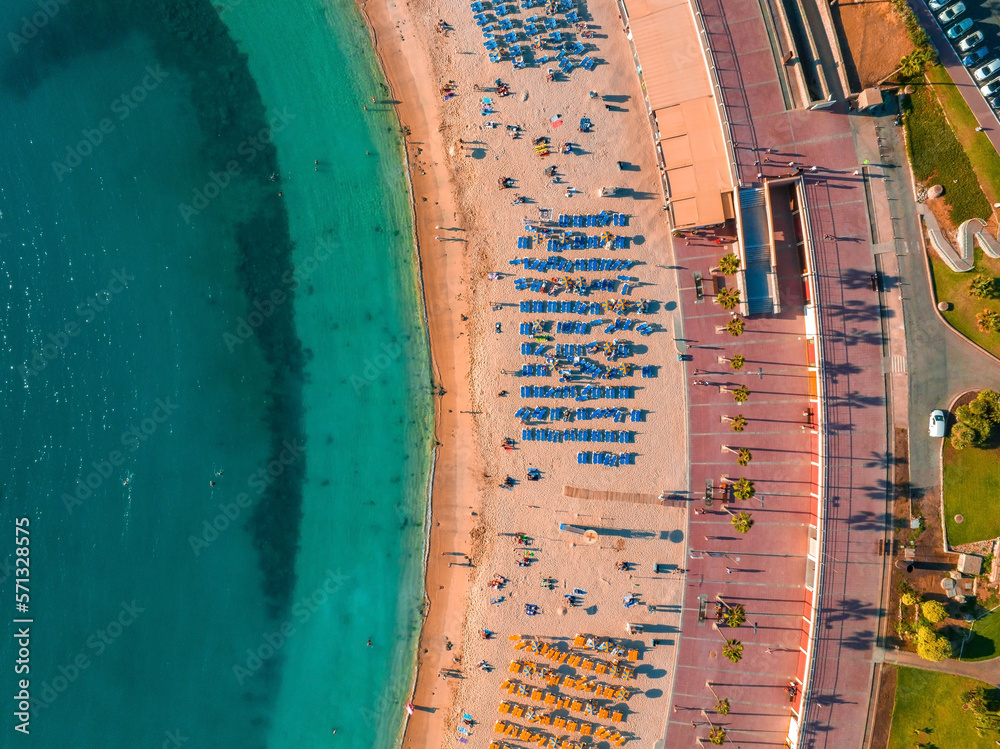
x: 769, y: 578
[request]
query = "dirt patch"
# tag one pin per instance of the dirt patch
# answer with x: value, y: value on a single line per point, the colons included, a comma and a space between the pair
x: 873, y: 40
x: 884, y: 703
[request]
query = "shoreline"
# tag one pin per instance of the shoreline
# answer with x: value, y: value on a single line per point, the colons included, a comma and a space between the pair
x: 444, y: 585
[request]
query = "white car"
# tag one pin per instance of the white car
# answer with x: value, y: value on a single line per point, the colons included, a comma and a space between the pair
x: 958, y: 29
x: 950, y: 13
x: 990, y: 88
x: 937, y: 4
x: 987, y: 71
x: 937, y: 424
x: 970, y: 41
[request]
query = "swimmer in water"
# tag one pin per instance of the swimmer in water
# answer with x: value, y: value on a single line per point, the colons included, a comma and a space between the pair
x: 369, y: 642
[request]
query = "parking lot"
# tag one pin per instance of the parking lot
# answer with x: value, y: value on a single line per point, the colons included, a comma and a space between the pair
x: 986, y: 17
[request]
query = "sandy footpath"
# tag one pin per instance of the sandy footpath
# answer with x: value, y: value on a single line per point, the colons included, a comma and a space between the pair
x: 467, y: 228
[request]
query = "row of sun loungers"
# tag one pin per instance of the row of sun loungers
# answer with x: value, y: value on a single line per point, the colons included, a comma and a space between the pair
x: 604, y: 218
x: 576, y: 435
x: 581, y: 242
x: 606, y: 459
x: 557, y: 262
x: 619, y: 414
x: 578, y: 392
x: 575, y: 307
x: 582, y: 287
x: 536, y: 370
x: 548, y: 742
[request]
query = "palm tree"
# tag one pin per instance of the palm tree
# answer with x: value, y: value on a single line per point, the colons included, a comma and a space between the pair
x: 729, y: 264
x: 735, y: 614
x: 735, y: 327
x: 740, y: 394
x: 721, y: 704
x: 737, y: 362
x: 742, y: 522
x: 743, y: 489
x: 717, y: 735
x: 988, y: 321
x: 733, y: 650
x: 745, y: 456
x: 728, y: 299
x: 982, y: 286
x: 737, y: 423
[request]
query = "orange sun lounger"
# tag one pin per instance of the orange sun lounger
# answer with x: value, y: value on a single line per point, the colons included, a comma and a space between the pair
x: 616, y: 717
x: 499, y: 727
x: 504, y: 707
x: 603, y: 713
x: 536, y: 694
x: 579, y: 641
x: 633, y: 655
x: 585, y: 729
x: 518, y: 711
x: 515, y: 667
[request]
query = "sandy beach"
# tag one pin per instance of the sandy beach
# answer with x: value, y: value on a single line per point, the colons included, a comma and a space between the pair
x: 467, y: 229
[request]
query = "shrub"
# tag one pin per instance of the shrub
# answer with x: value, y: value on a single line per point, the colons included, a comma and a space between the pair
x: 910, y: 598
x: 982, y: 286
x: 932, y: 646
x: 988, y: 321
x: 933, y: 611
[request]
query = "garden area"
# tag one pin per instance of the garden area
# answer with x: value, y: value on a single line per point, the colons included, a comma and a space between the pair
x: 971, y: 471
x: 984, y: 641
x: 945, y: 149
x: 942, y: 711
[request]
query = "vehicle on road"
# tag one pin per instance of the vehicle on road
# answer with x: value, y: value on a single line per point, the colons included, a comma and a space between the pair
x: 950, y: 13
x: 973, y: 39
x: 987, y: 71
x: 975, y: 56
x: 958, y: 29
x: 991, y: 88
x: 938, y: 4
x: 937, y: 424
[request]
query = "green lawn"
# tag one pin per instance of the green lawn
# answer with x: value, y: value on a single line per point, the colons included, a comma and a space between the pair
x: 937, y: 155
x: 983, y: 156
x: 953, y: 288
x: 985, y: 641
x: 928, y: 712
x: 971, y: 481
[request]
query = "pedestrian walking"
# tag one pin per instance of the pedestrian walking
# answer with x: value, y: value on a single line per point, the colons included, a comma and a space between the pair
x: 827, y: 236
x: 980, y: 129
x: 856, y: 172
x: 729, y: 571
x: 769, y: 651
x: 813, y: 168
x: 755, y: 627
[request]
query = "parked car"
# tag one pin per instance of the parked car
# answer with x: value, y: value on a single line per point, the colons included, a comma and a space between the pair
x: 973, y: 39
x: 950, y: 13
x: 936, y: 427
x: 958, y: 29
x: 994, y: 101
x: 991, y: 88
x: 938, y: 4
x: 987, y: 71
x: 975, y: 56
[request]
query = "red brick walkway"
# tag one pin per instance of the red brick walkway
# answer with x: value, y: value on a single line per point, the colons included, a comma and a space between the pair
x: 769, y: 579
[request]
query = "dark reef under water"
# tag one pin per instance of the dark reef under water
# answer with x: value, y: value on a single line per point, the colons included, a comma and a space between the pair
x: 189, y: 37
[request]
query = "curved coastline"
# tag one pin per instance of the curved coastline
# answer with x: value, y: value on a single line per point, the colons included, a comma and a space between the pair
x: 440, y: 275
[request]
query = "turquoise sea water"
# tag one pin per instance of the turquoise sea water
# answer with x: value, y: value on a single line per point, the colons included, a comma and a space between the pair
x: 169, y: 321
